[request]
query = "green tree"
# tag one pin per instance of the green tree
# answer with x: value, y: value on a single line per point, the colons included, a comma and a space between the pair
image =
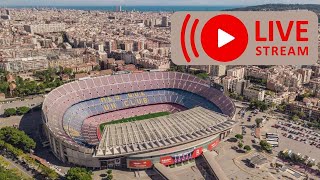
x: 272, y: 105
x: 22, y: 110
x: 259, y: 122
x: 10, y: 112
x: 109, y: 171
x: 318, y: 165
x: 234, y: 95
x: 296, y: 158
x: 281, y: 107
x: 265, y: 146
x: 238, y: 136
x: 247, y: 148
x: 6, y: 174
x: 50, y: 173
x: 17, y: 138
x: 67, y: 71
x: 263, y: 106
x: 202, y: 75
x: 255, y: 104
x: 295, y: 118
x: 311, y: 163
x: 96, y: 68
x: 240, y: 145
x: 109, y: 177
x: 4, y: 86
x: 76, y: 173
x: 301, y: 114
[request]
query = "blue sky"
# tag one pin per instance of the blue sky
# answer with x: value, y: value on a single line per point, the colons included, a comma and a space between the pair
x: 149, y: 2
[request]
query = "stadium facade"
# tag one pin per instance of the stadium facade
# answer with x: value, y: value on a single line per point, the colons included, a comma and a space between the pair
x: 201, y: 116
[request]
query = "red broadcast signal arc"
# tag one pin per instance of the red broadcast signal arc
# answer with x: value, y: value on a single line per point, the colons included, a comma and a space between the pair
x: 223, y: 38
x: 192, y: 35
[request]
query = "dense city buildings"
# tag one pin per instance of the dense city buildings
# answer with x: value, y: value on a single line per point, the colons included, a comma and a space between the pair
x: 51, y: 38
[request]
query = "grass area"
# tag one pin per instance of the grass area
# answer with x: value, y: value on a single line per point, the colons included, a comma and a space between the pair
x: 135, y: 118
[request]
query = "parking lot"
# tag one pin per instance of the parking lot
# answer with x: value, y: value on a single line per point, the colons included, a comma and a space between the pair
x: 297, y: 138
x: 292, y: 136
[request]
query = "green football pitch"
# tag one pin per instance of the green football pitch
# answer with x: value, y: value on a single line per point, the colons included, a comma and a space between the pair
x: 135, y: 118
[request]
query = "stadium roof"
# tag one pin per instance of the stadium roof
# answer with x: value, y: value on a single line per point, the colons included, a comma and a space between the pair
x: 162, y: 132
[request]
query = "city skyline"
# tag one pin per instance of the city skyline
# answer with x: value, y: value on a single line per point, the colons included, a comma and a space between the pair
x: 148, y: 3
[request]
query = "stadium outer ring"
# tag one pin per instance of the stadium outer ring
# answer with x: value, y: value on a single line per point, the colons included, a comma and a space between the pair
x: 63, y: 97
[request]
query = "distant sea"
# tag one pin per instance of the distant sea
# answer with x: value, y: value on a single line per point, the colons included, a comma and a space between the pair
x: 139, y: 8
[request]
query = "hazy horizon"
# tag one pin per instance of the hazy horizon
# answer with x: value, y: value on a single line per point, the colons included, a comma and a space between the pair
x: 149, y: 3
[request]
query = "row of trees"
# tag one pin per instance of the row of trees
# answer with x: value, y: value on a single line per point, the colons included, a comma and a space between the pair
x: 9, y: 174
x: 16, y: 111
x: 239, y: 137
x: 77, y: 173
x: 261, y: 105
x: 47, y: 79
x: 236, y: 96
x: 300, y: 97
x: 19, y: 155
x: 4, y: 85
x: 28, y: 87
x: 295, y: 158
x: 17, y: 138
x: 264, y: 144
x: 17, y: 144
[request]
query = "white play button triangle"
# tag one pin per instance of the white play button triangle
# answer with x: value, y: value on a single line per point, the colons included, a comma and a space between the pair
x: 224, y: 38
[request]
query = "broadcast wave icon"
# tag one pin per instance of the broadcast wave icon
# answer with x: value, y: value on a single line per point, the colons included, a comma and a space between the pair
x: 223, y: 38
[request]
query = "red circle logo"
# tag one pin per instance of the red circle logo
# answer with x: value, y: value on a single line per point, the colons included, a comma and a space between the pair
x: 224, y: 38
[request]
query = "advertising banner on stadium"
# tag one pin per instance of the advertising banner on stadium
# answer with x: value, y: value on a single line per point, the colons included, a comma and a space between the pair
x: 140, y: 164
x: 197, y: 152
x: 213, y: 144
x: 166, y: 160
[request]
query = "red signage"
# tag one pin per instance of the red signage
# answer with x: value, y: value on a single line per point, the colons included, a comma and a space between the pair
x: 140, y: 164
x: 229, y: 47
x: 197, y: 152
x: 166, y: 160
x: 213, y: 144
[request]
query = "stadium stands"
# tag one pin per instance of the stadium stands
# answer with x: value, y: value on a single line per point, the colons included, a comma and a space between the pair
x: 68, y: 109
x: 90, y: 127
x: 75, y: 116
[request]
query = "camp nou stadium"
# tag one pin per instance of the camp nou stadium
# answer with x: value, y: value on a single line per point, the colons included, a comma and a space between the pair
x: 136, y: 120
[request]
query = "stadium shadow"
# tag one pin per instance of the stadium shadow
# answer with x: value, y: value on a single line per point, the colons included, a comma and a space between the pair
x: 32, y: 125
x: 204, y: 169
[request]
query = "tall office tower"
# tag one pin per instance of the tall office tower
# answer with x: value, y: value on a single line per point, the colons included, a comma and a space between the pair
x: 118, y: 8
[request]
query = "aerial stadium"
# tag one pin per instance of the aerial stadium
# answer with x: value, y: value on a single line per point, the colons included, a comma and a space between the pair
x: 136, y: 120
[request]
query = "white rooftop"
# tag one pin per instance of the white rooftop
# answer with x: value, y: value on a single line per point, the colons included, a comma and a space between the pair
x: 162, y: 132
